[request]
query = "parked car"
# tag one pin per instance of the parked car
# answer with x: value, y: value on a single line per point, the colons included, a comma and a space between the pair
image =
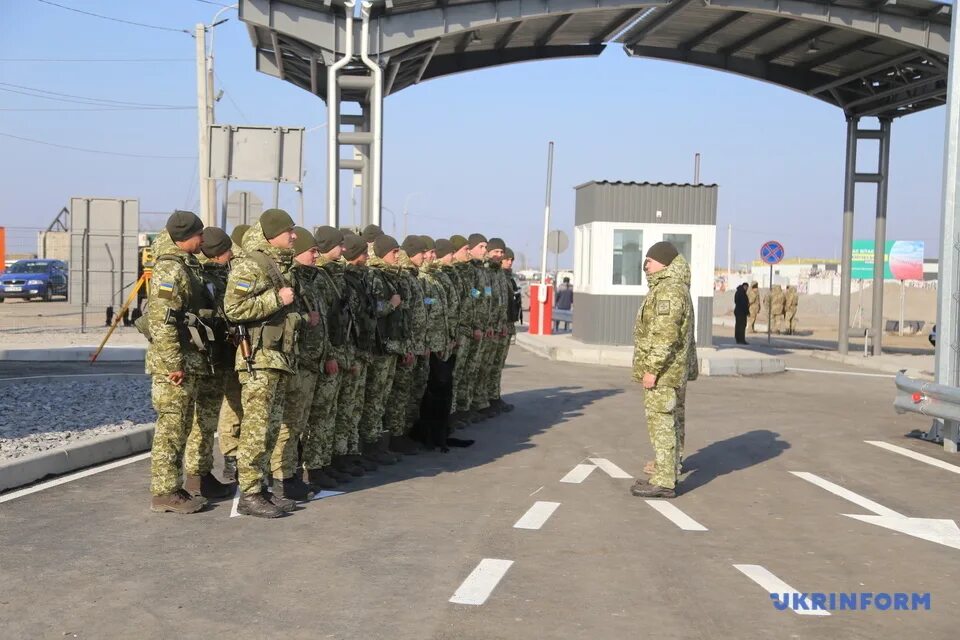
x: 34, y: 279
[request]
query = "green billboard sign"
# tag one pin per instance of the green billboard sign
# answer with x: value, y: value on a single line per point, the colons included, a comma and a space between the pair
x: 902, y: 260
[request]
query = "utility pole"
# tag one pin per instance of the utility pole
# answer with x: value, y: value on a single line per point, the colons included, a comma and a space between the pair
x: 204, y: 119
x: 696, y: 169
x: 729, y: 254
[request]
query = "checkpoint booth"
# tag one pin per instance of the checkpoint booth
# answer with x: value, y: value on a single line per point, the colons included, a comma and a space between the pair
x: 615, y: 224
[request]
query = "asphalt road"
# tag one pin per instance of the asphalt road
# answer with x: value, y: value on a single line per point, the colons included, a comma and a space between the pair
x: 87, y: 559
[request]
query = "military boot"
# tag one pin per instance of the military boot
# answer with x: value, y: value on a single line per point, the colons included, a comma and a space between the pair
x: 207, y: 486
x: 336, y: 474
x: 345, y: 465
x: 292, y: 488
x: 384, y: 455
x: 644, y: 489
x: 372, y: 451
x: 404, y: 445
x: 363, y: 463
x: 280, y: 502
x: 318, y: 480
x: 229, y: 468
x: 177, y: 502
x: 504, y: 407
x: 258, y: 505
x: 476, y: 416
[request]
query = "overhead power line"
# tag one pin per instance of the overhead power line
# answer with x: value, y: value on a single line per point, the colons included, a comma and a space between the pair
x: 217, y: 4
x: 89, y: 100
x: 112, y: 19
x: 150, y: 60
x: 33, y: 109
x: 99, y: 151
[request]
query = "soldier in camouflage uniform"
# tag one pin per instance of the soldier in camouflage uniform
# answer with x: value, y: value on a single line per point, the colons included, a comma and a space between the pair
x: 391, y: 338
x: 774, y: 301
x: 231, y: 410
x: 174, y: 361
x: 790, y: 303
x: 285, y: 460
x: 484, y: 316
x: 664, y: 359
x: 499, y: 309
x: 198, y: 458
x: 469, y: 330
x: 753, y: 298
x: 514, y: 304
x: 260, y: 296
x: 421, y: 371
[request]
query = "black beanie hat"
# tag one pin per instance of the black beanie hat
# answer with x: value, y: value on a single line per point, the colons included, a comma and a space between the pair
x: 662, y: 252
x: 475, y: 239
x: 384, y: 244
x: 274, y: 222
x: 496, y: 243
x: 183, y: 225
x: 428, y: 243
x: 215, y: 242
x: 508, y: 254
x: 304, y: 242
x: 237, y: 234
x: 443, y: 247
x: 371, y: 232
x: 412, y: 245
x: 328, y: 238
x: 354, y: 247
x: 458, y: 242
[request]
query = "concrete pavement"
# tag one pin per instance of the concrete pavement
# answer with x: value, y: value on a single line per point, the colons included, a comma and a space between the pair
x: 383, y: 559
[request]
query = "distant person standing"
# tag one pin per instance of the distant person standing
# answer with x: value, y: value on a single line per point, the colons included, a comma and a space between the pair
x: 791, y: 301
x: 741, y: 310
x: 753, y: 296
x: 564, y: 297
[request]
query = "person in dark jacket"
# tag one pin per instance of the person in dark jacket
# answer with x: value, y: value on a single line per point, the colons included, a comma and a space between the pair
x: 564, y: 296
x: 741, y: 309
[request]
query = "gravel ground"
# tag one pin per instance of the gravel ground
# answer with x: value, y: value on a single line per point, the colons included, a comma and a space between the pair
x: 48, y: 415
x: 62, y: 337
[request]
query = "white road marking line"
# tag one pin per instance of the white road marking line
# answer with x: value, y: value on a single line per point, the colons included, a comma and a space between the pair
x: 75, y: 375
x: 842, y: 373
x: 846, y: 494
x: 578, y: 474
x: 676, y: 516
x: 611, y: 469
x: 775, y: 585
x: 13, y: 495
x: 481, y: 582
x: 236, y: 501
x: 537, y: 515
x: 916, y: 456
x: 536, y: 492
x: 326, y: 494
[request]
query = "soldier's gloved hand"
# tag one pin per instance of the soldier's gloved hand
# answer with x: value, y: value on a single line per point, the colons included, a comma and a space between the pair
x: 489, y: 333
x: 477, y: 334
x: 314, y: 318
x: 331, y: 367
x: 176, y: 377
x: 286, y: 296
x: 407, y: 360
x: 503, y: 333
x: 355, y: 369
x: 649, y: 381
x: 395, y: 301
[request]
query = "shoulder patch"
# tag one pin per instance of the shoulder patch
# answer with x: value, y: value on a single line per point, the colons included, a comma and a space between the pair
x: 242, y: 286
x: 663, y: 307
x: 166, y: 290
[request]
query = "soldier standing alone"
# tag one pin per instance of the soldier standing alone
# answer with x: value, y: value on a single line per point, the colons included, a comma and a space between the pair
x: 664, y: 359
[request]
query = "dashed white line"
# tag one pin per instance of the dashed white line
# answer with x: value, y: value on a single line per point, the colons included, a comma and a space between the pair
x: 776, y: 586
x: 676, y: 516
x: 914, y: 455
x: 13, y: 495
x: 537, y: 515
x: 481, y: 582
x: 846, y: 494
x: 536, y: 492
x: 611, y: 469
x: 578, y: 474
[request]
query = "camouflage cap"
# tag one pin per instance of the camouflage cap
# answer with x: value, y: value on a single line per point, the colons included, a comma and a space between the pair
x: 274, y: 222
x: 328, y: 238
x: 496, y: 243
x: 384, y: 245
x: 183, y: 225
x: 304, y: 242
x: 508, y: 254
x: 215, y: 242
x: 412, y: 245
x: 428, y: 242
x: 353, y: 247
x: 475, y: 239
x: 371, y: 232
x: 443, y: 247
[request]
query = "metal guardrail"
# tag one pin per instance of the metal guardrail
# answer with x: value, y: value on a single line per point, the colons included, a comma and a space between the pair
x: 927, y: 398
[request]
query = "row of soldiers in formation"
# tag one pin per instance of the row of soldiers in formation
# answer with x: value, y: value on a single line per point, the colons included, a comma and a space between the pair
x: 781, y: 306
x: 317, y: 357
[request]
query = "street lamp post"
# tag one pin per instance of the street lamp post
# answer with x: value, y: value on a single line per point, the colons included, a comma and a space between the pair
x: 406, y: 206
x: 393, y: 218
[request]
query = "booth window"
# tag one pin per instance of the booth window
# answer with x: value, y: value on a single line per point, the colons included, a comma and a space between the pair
x: 627, y: 256
x: 683, y: 243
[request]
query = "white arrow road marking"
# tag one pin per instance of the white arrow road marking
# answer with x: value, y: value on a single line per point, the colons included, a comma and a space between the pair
x: 775, y: 585
x: 916, y: 456
x: 943, y: 532
x: 578, y: 474
x: 676, y: 516
x: 537, y: 515
x: 611, y: 469
x: 481, y: 582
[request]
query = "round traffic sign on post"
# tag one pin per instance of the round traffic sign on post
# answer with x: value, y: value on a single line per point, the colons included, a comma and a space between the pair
x: 772, y: 252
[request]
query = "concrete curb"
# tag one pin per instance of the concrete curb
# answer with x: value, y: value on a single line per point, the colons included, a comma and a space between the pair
x: 94, y: 377
x: 22, y: 471
x: 74, y: 354
x: 862, y: 362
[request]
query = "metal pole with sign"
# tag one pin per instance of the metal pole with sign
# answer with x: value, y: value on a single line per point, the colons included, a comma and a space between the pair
x: 771, y: 253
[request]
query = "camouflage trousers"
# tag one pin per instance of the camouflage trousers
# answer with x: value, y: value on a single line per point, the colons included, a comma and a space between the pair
x: 492, y: 367
x: 346, y: 440
x: 791, y: 321
x: 296, y: 410
x: 198, y: 456
x: 666, y: 415
x: 464, y: 372
x: 418, y: 387
x: 231, y: 414
x: 262, y: 396
x: 395, y: 417
x: 776, y: 323
x: 321, y: 422
x: 483, y: 367
x: 493, y: 390
x: 174, y: 405
x: 380, y: 373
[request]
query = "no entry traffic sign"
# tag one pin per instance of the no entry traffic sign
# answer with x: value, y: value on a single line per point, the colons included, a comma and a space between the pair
x: 772, y: 252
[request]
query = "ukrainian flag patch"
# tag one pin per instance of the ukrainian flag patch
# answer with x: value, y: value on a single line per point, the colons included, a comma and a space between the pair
x: 242, y: 287
x: 165, y: 290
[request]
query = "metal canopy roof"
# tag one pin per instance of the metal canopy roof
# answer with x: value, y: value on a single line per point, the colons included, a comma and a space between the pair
x: 885, y: 58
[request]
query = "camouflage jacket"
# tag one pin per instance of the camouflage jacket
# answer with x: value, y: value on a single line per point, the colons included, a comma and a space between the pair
x: 484, y: 292
x: 469, y: 295
x: 253, y: 299
x: 500, y: 296
x: 331, y: 285
x: 663, y: 342
x: 753, y: 298
x: 414, y: 301
x: 439, y: 318
x: 313, y: 343
x: 448, y: 276
x: 774, y: 300
x: 362, y: 307
x: 214, y: 277
x: 790, y: 299
x: 176, y: 286
x: 392, y: 324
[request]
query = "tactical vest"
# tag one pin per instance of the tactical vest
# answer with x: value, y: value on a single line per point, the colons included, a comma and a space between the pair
x: 364, y: 323
x: 195, y: 323
x: 281, y: 331
x: 394, y: 326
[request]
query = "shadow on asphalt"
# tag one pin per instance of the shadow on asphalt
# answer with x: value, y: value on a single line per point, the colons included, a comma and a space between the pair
x: 733, y: 454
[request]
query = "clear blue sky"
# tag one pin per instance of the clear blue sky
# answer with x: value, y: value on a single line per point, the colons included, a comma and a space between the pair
x: 472, y: 146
